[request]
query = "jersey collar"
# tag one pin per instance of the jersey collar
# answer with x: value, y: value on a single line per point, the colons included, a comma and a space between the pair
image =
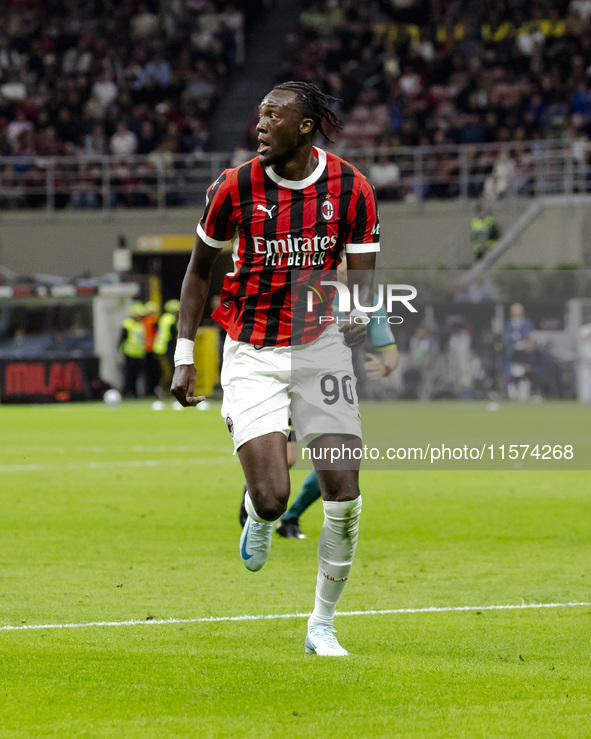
x: 300, y: 184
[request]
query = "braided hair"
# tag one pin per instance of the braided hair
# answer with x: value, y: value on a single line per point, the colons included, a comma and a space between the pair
x: 315, y: 105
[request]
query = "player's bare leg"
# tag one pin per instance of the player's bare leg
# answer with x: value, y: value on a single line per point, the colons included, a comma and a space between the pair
x: 339, y: 485
x: 264, y: 461
x: 292, y: 455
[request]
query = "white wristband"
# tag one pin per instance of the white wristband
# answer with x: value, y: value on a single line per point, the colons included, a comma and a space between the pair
x: 184, y: 352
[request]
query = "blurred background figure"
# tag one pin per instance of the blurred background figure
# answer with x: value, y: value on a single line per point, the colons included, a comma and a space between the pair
x: 165, y: 343
x: 485, y: 232
x: 516, y: 332
x: 151, y: 362
x: 584, y: 374
x: 419, y: 372
x: 375, y: 360
x: 497, y: 185
x: 384, y: 174
x: 460, y: 361
x: 536, y: 374
x: 132, y: 344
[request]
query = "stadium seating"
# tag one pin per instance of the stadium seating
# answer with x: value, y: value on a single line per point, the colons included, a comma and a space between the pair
x: 112, y: 78
x: 90, y: 80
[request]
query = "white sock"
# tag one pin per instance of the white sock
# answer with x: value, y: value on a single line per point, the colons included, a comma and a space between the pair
x: 251, y: 511
x: 336, y: 549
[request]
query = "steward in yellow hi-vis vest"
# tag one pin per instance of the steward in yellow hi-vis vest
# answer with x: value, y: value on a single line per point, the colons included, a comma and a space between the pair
x: 132, y: 343
x: 165, y: 343
x: 484, y: 232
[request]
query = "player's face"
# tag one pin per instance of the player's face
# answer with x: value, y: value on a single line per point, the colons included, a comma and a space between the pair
x: 280, y: 127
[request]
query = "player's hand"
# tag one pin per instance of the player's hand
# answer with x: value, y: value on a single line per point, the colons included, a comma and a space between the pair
x: 374, y: 368
x: 354, y: 331
x: 183, y: 385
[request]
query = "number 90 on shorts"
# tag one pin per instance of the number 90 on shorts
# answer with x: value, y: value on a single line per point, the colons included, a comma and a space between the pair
x: 314, y: 385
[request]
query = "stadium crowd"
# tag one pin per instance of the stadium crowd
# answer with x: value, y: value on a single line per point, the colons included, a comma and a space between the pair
x: 90, y: 78
x: 435, y: 72
x: 142, y: 77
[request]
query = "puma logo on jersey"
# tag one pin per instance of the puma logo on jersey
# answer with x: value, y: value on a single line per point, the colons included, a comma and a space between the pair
x: 268, y: 211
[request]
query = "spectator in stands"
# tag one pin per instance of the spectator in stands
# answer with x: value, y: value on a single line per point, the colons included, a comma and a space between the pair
x: 502, y: 177
x: 232, y: 21
x: 66, y: 128
x: 123, y: 142
x: 97, y: 65
x: 105, y: 89
x: 14, y: 88
x: 433, y: 77
x: 85, y: 187
x: 385, y: 177
x: 487, y: 72
x: 582, y: 8
x: 96, y: 142
x: 146, y: 139
x: 143, y: 23
x: 10, y: 59
x: 200, y: 85
x: 157, y: 71
x: 94, y: 108
x: 18, y: 126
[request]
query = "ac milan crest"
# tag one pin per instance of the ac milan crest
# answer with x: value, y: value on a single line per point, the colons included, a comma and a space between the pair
x: 230, y: 425
x: 327, y: 210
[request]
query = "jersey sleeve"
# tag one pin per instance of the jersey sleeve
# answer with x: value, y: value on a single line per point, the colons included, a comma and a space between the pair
x: 379, y: 330
x: 216, y: 226
x: 364, y: 230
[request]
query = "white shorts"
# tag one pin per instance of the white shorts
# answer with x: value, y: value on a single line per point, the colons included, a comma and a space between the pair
x: 313, y: 385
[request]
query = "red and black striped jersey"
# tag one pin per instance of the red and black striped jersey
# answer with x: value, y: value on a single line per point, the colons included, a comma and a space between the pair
x: 279, y: 229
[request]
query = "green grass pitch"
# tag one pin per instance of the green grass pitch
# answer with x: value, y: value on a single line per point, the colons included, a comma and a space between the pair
x: 121, y: 514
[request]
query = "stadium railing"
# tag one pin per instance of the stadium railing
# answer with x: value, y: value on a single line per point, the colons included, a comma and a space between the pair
x: 160, y: 180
